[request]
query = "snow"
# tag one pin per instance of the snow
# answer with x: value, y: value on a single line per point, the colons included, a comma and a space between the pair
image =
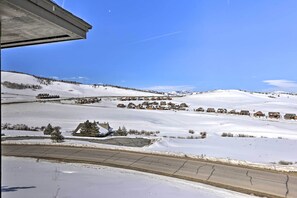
x: 265, y: 148
x: 25, y: 177
x: 59, y: 88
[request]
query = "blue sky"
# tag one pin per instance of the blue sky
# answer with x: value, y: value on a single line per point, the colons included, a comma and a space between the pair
x: 172, y: 44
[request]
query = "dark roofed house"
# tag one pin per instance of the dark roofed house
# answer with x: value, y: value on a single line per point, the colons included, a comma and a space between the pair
x: 200, y: 109
x: 275, y: 115
x: 290, y: 116
x: 131, y: 106
x: 221, y: 110
x: 183, y: 105
x: 259, y: 114
x: 245, y: 112
x: 233, y: 111
x: 210, y: 110
x: 121, y: 105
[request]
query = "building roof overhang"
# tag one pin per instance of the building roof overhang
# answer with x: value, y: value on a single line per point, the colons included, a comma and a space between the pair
x: 30, y: 22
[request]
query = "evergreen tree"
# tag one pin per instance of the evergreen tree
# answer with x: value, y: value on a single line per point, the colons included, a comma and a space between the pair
x: 48, y: 130
x: 56, y: 135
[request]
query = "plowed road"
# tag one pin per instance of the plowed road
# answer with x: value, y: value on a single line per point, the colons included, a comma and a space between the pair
x: 242, y: 179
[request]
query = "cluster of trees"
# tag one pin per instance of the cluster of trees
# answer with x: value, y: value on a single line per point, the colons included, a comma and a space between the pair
x: 89, y: 129
x: 22, y: 127
x: 127, y: 88
x: 54, y: 132
x: 122, y: 131
x: 12, y: 85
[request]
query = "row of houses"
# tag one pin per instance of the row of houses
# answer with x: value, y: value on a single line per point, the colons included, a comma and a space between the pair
x: 87, y: 100
x: 163, y: 105
x: 145, y: 98
x: 276, y: 115
x: 46, y: 96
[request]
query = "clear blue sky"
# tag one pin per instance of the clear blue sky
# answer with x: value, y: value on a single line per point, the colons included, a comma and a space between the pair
x: 198, y: 44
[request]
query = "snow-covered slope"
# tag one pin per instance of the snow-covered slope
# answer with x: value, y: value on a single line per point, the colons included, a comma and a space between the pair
x: 61, y: 88
x: 241, y: 100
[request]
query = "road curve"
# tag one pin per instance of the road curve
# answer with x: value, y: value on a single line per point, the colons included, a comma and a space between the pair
x: 241, y: 179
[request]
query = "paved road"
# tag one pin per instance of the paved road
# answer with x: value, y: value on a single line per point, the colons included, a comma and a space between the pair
x: 242, y: 179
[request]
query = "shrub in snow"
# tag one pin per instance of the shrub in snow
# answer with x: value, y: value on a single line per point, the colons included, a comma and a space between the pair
x: 203, y: 135
x: 191, y: 131
x: 121, y: 131
x: 56, y: 135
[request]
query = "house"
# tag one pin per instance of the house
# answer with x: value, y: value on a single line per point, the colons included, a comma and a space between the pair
x: 232, y: 112
x: 210, y: 110
x: 131, y: 106
x: 184, y: 105
x: 121, y: 105
x: 46, y: 96
x: 275, y: 115
x: 245, y: 112
x: 200, y: 109
x: 123, y: 99
x: 259, y: 114
x: 140, y: 106
x: 103, y: 129
x: 162, y: 103
x: 220, y: 110
x: 290, y: 116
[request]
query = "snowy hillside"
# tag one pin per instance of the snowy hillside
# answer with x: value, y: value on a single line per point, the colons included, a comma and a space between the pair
x: 241, y: 100
x: 62, y: 89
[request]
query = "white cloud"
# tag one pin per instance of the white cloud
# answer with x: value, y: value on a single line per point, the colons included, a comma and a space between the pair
x: 168, y: 88
x: 282, y: 85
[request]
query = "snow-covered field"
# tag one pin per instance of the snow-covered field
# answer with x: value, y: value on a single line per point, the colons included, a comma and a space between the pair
x: 274, y: 139
x: 50, y: 179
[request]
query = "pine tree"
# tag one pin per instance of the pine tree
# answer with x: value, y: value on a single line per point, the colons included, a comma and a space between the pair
x: 48, y: 130
x: 56, y: 135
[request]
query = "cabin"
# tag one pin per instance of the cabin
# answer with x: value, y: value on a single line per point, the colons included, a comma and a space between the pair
x: 233, y: 111
x: 145, y: 103
x: 123, y: 99
x: 140, y: 106
x: 221, y: 110
x: 290, y: 116
x: 162, y: 103
x: 146, y: 98
x: 103, y: 129
x: 245, y: 112
x: 275, y: 115
x: 121, y: 105
x: 210, y: 110
x: 183, y: 105
x: 259, y: 114
x: 200, y: 109
x: 46, y: 96
x: 131, y: 106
